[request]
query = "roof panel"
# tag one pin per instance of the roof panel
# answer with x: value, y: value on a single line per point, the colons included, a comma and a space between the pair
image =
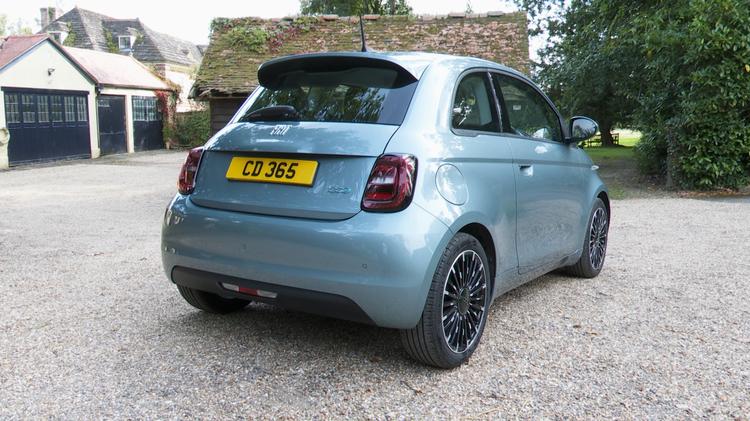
x: 116, y: 70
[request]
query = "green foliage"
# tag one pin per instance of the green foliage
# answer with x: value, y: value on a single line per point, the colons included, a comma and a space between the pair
x: 697, y: 95
x: 112, y: 46
x: 70, y: 40
x: 3, y: 24
x: 355, y: 7
x: 586, y: 71
x: 253, y: 39
x: 651, y: 155
x: 192, y: 129
x: 677, y: 70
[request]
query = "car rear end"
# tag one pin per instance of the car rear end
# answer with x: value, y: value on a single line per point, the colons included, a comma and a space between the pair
x: 295, y: 203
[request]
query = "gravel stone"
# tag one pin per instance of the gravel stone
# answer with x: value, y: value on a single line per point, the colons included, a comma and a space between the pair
x: 90, y: 327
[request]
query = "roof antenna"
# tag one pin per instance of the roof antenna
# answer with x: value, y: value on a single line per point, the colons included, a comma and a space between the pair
x: 362, y: 35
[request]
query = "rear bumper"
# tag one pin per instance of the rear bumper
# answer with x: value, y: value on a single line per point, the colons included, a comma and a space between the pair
x: 371, y: 268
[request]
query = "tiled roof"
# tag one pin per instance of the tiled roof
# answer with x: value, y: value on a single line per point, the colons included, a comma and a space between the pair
x: 90, y: 30
x: 116, y: 70
x: 15, y: 45
x: 239, y: 46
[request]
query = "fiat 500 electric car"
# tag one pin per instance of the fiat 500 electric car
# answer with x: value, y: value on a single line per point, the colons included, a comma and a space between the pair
x: 405, y: 190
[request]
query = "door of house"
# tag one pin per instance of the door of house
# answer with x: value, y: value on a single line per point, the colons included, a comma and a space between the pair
x: 46, y: 125
x: 147, y: 124
x: 112, y: 133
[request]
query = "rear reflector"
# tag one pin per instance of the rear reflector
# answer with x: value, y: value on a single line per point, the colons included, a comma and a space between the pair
x: 391, y: 184
x: 249, y: 291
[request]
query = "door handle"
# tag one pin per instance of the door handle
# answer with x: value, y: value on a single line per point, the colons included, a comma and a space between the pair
x: 526, y: 170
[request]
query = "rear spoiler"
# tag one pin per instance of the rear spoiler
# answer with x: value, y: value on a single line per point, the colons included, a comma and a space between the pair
x: 270, y: 73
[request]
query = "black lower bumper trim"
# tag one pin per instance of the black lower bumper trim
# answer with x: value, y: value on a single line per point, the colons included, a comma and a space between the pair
x: 297, y: 299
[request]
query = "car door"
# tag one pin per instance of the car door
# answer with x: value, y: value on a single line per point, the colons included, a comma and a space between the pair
x: 481, y: 154
x: 548, y: 174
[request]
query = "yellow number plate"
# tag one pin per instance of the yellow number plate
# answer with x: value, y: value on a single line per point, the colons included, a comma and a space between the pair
x: 272, y: 170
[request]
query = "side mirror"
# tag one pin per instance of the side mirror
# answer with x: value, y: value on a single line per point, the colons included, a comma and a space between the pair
x: 582, y: 128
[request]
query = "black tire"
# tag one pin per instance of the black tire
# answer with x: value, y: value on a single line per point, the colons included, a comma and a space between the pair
x: 211, y: 303
x: 590, y: 264
x: 428, y: 342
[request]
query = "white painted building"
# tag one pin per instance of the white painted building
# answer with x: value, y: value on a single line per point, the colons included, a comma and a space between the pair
x: 59, y: 102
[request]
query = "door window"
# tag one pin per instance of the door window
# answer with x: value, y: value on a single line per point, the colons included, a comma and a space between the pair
x: 57, y: 108
x: 29, y: 114
x: 42, y: 107
x: 70, y: 108
x: 12, y: 113
x: 473, y: 106
x: 529, y: 114
x: 144, y: 109
x: 83, y: 114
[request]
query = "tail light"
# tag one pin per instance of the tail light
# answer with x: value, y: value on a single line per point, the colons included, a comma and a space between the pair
x: 186, y: 182
x: 391, y: 184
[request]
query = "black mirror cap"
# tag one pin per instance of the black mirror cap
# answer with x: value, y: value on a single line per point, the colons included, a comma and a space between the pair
x: 582, y: 128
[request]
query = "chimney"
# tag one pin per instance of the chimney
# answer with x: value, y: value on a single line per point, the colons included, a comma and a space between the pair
x: 48, y: 15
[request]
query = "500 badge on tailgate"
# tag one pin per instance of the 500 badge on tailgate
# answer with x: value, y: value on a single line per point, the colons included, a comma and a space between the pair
x: 272, y: 170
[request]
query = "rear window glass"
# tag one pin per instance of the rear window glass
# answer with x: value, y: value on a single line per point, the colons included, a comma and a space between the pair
x: 356, y: 95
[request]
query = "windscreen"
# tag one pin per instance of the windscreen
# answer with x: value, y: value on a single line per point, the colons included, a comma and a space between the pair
x: 354, y: 95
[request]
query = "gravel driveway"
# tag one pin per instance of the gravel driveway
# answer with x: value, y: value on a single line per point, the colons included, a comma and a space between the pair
x: 91, y: 328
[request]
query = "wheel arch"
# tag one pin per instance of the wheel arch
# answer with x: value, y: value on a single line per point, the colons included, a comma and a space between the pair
x: 483, y: 235
x: 605, y: 198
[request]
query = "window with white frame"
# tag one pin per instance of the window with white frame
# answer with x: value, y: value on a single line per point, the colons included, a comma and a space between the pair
x: 145, y: 109
x: 57, y: 108
x: 12, y: 113
x: 29, y: 114
x: 70, y: 108
x: 83, y: 114
x: 125, y: 42
x: 150, y: 109
x: 139, y: 110
x: 42, y: 108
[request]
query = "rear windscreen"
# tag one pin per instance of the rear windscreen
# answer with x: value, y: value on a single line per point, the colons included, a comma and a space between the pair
x: 355, y: 95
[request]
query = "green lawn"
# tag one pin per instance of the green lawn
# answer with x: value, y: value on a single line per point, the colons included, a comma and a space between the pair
x: 602, y: 154
x: 628, y: 139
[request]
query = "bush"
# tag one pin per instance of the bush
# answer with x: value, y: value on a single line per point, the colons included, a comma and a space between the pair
x: 192, y: 128
x: 651, y: 155
x: 695, y: 104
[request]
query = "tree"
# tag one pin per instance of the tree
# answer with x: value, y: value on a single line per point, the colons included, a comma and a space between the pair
x: 677, y: 70
x: 355, y: 7
x: 584, y: 68
x: 3, y: 24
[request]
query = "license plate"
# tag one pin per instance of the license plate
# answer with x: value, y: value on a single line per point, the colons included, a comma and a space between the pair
x: 272, y: 170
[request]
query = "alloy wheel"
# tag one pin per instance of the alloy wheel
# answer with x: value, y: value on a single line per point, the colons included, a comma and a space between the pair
x: 598, y: 238
x: 464, y: 301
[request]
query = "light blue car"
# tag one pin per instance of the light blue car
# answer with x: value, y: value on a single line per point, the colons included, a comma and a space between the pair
x: 405, y: 190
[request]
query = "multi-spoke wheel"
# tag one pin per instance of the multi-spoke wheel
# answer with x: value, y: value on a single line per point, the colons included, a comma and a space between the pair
x: 456, y: 310
x: 464, y: 301
x: 595, y: 244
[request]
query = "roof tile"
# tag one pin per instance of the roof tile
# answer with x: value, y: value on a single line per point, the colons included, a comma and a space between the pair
x: 230, y: 64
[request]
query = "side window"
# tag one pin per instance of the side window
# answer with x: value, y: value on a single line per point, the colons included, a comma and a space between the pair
x: 528, y: 112
x: 474, y: 107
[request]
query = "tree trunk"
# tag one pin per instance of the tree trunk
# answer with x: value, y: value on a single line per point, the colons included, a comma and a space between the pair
x: 606, y: 132
x: 392, y: 7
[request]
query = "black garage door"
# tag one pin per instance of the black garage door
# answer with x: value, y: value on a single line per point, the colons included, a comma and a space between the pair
x: 147, y: 128
x: 112, y: 134
x: 46, y: 125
